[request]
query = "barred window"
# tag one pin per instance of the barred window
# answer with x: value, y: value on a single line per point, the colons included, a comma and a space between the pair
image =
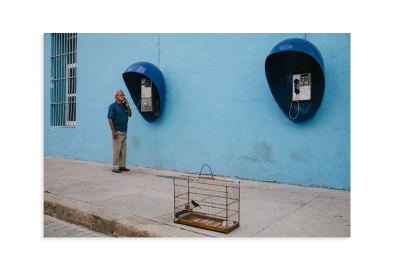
x: 63, y: 79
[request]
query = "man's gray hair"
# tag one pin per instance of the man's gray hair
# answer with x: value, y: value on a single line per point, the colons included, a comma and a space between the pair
x: 116, y: 92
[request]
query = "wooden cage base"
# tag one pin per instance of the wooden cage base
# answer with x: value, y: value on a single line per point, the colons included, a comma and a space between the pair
x: 205, y: 222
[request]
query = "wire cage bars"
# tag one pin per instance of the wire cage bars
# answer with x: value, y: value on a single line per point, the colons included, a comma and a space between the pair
x: 207, y: 202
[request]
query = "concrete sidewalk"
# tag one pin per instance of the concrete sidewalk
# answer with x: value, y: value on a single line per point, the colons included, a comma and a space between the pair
x: 140, y: 203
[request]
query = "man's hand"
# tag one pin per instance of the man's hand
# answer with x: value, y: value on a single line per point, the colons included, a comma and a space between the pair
x: 129, y: 109
x: 114, y: 133
x: 126, y: 103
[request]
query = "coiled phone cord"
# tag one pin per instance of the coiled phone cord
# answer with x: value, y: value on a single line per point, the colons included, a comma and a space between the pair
x: 298, y: 107
x: 137, y: 105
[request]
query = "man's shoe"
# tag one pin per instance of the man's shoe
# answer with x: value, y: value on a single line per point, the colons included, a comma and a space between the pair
x: 124, y: 169
x: 117, y: 171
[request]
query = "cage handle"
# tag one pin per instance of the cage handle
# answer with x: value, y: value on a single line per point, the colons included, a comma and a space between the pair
x: 212, y: 176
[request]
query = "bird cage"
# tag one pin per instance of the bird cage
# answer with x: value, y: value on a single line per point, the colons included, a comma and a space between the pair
x: 207, y: 202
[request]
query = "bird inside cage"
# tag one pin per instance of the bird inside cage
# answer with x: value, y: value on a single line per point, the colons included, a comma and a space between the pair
x: 195, y: 204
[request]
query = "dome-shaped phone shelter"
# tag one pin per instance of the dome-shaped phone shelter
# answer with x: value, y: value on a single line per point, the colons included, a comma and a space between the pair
x: 296, y: 76
x: 146, y: 85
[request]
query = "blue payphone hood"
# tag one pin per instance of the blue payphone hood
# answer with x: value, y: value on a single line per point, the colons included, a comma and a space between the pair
x: 132, y: 76
x: 296, y: 44
x: 292, y: 56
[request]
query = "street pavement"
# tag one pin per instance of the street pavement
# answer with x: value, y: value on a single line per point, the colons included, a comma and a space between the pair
x: 54, y: 227
x: 140, y: 202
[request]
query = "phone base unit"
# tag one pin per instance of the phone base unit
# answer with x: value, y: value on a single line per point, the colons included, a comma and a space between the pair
x: 301, y: 85
x: 146, y: 95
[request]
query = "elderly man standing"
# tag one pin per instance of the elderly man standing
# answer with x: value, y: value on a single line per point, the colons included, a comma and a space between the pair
x: 118, y: 113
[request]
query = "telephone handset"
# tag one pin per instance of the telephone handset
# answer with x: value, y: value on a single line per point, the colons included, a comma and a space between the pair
x: 296, y: 86
x: 124, y: 104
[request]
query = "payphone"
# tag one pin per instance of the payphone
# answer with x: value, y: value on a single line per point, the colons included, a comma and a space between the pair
x: 301, y: 91
x: 301, y: 87
x: 146, y: 95
x: 296, y: 76
x: 146, y: 86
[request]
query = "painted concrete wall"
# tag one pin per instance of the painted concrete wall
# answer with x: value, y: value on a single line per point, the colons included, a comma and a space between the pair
x: 218, y: 111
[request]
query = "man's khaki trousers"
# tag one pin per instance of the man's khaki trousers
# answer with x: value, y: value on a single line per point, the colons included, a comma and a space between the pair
x: 119, y: 150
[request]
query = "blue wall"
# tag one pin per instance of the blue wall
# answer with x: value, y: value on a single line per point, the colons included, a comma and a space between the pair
x: 218, y: 111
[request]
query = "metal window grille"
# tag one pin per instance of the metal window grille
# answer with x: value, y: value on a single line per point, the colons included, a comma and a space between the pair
x: 63, y: 79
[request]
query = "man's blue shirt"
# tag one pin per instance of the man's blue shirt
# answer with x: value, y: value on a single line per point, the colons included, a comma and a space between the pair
x: 119, y: 116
